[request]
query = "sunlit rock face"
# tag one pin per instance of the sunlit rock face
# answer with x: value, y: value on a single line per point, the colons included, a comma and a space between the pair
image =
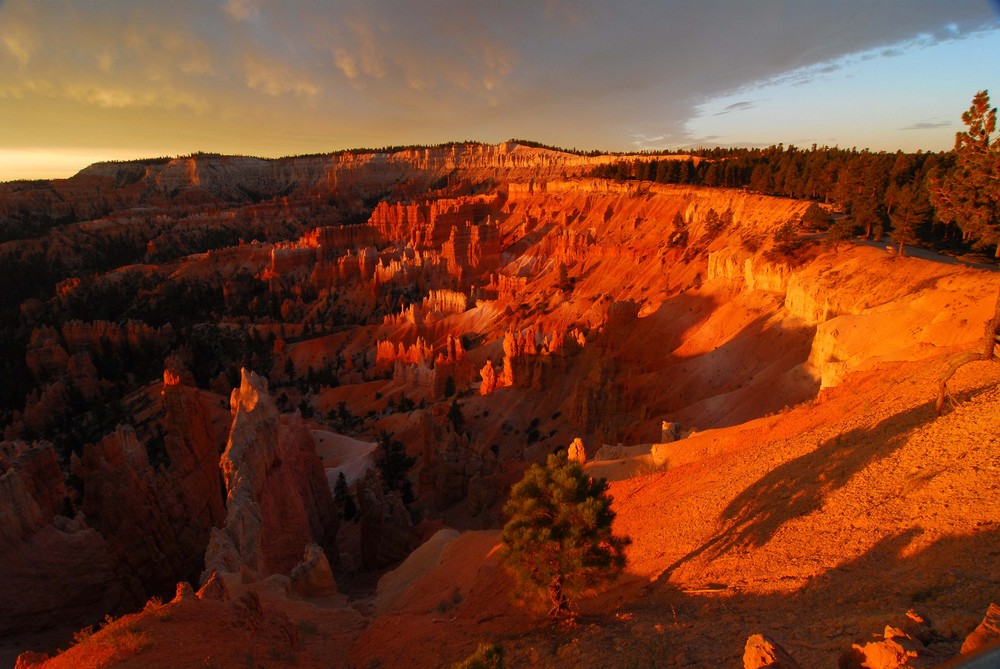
x: 277, y: 497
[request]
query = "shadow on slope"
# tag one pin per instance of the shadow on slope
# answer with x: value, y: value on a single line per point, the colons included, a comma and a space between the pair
x: 799, y: 487
x: 947, y: 581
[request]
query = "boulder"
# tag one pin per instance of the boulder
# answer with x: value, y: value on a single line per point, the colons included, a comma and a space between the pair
x: 313, y: 577
x: 896, y: 650
x: 761, y: 651
x: 214, y: 589
x: 987, y: 632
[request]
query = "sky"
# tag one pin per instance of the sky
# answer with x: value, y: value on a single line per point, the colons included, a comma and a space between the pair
x: 89, y: 80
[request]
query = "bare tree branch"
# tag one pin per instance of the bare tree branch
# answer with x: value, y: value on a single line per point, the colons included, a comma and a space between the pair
x: 987, y: 351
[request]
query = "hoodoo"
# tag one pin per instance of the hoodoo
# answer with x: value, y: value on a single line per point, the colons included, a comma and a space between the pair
x: 365, y: 351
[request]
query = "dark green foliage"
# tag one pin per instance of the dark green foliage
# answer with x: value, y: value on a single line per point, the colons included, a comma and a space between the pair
x: 841, y: 230
x: 394, y: 466
x: 816, y: 218
x: 218, y: 349
x: 487, y: 656
x: 713, y: 223
x: 864, y: 185
x: 402, y: 405
x: 342, y: 496
x: 342, y: 420
x: 563, y: 282
x: 911, y: 211
x: 558, y: 540
x: 786, y: 238
x: 761, y: 179
x: 455, y: 416
x: 969, y: 194
x: 679, y: 236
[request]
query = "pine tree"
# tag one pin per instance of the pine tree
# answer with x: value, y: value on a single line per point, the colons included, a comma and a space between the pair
x: 342, y: 496
x: 816, y: 218
x: 910, y: 211
x: 558, y: 540
x: 969, y: 194
x: 394, y: 465
x: 455, y: 416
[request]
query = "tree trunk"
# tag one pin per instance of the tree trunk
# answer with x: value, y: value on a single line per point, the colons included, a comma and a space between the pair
x: 986, y: 352
x: 558, y: 598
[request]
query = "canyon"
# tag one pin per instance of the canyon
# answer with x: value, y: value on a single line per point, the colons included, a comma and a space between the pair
x: 269, y: 411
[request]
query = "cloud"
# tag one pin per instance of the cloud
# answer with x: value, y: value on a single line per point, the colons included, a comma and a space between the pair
x: 927, y: 125
x: 19, y: 51
x: 573, y: 73
x: 736, y: 107
x: 346, y: 63
x: 241, y: 10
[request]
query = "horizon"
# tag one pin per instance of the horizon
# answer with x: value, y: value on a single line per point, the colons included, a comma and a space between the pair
x: 82, y: 85
x: 388, y: 149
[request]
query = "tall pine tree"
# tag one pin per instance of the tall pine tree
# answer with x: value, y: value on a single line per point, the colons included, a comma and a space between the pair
x: 969, y: 194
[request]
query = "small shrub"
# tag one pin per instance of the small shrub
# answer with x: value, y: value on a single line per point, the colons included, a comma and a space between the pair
x: 486, y: 656
x: 816, y: 218
x: 786, y: 238
x: 123, y: 637
x: 751, y: 242
x: 451, y: 602
x: 82, y: 634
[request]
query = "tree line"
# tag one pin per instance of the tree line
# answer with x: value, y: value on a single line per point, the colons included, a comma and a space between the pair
x: 947, y: 199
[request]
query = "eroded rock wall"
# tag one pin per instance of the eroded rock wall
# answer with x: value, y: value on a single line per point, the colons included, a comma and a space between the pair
x: 277, y: 497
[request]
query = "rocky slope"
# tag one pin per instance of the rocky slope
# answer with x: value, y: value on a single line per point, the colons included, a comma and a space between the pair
x: 764, y: 407
x: 134, y: 531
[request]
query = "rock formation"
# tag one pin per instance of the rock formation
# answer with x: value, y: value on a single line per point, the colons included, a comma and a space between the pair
x: 140, y: 528
x: 986, y: 632
x: 387, y: 533
x: 214, y: 589
x: 761, y: 652
x: 277, y: 498
x: 38, y: 544
x: 174, y: 508
x: 896, y: 650
x: 313, y: 577
x: 420, y: 371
